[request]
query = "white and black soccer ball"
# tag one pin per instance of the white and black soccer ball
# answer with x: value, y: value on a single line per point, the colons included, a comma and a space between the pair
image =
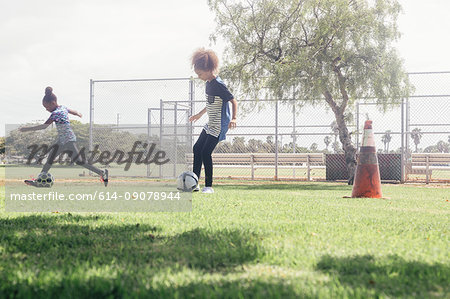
x: 187, y: 181
x: 45, y: 179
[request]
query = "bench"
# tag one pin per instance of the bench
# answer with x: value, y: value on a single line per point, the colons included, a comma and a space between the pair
x: 265, y: 160
x: 422, y: 163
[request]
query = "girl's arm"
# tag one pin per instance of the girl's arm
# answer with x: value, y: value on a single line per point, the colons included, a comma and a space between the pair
x: 74, y: 112
x: 232, y: 124
x: 38, y: 127
x: 194, y: 118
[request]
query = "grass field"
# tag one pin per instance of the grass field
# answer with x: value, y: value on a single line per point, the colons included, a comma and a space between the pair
x: 74, y: 172
x: 248, y: 239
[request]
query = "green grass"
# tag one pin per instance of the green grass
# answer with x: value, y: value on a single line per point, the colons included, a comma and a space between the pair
x: 246, y: 240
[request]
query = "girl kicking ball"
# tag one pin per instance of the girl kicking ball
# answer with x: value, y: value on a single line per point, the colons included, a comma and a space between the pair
x: 206, y: 63
x: 66, y: 138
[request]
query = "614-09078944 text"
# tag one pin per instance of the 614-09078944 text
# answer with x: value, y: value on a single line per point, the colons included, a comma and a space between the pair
x: 100, y: 196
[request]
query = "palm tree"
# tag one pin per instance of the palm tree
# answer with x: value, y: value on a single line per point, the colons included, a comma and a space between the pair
x: 327, y: 141
x: 386, y: 138
x: 416, y: 135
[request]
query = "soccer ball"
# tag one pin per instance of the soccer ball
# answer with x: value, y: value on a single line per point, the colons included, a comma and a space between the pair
x: 187, y: 181
x: 45, y: 179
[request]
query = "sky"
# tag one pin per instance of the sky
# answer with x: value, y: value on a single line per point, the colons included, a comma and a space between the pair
x: 64, y: 44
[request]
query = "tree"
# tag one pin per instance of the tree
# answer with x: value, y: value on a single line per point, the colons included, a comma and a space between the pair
x: 269, y: 145
x: 334, y: 130
x: 439, y: 147
x: 416, y: 135
x: 442, y: 147
x: 254, y: 145
x: 223, y: 147
x: 238, y: 145
x: 327, y: 141
x: 82, y: 132
x: 2, y: 145
x: 330, y: 50
x: 386, y: 139
x: 337, y: 147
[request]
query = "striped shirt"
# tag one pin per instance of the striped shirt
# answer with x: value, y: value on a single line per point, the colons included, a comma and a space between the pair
x: 217, y: 107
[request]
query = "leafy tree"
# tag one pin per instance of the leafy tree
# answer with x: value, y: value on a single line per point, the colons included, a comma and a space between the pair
x: 332, y: 50
x: 439, y: 147
x: 2, y: 145
x: 223, y: 147
x: 386, y: 139
x: 416, y: 135
x: 442, y: 147
x: 269, y: 145
x: 82, y: 132
x: 334, y: 130
x: 238, y: 145
x: 337, y: 148
x: 17, y: 142
x: 327, y: 141
x: 252, y: 146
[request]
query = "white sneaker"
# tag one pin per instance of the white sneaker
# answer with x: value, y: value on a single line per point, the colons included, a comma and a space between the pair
x: 208, y: 190
x: 196, y: 189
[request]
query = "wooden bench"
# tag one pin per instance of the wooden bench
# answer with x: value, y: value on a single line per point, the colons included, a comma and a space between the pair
x: 422, y: 163
x: 265, y: 160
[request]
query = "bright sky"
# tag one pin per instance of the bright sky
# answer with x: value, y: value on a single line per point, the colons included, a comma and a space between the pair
x: 63, y: 44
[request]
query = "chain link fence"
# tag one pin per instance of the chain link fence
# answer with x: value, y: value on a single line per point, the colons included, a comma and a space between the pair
x: 275, y: 139
x: 427, y: 130
x: 128, y: 112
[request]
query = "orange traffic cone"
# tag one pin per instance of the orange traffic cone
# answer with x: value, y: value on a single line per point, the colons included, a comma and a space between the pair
x: 367, y: 176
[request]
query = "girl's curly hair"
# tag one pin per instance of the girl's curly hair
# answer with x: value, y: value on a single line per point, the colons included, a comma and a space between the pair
x: 205, y: 60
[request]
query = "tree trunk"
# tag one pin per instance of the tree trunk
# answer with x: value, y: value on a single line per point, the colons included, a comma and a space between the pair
x: 347, y: 145
x: 344, y: 135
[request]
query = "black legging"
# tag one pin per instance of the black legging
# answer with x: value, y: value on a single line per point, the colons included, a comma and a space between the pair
x: 203, y: 149
x: 71, y: 149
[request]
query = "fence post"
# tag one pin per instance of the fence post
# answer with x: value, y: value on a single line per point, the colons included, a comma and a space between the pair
x: 276, y: 140
x: 402, y: 146
x: 161, y: 123
x: 294, y: 134
x: 192, y: 110
x: 407, y: 128
x: 91, y: 116
x: 149, y: 132
x: 91, y: 112
x: 252, y: 164
x: 405, y: 137
x: 357, y: 126
x: 309, y: 167
x: 175, y: 121
x: 427, y: 170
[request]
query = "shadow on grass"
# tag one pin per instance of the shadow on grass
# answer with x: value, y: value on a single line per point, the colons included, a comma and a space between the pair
x: 290, y: 186
x: 391, y: 276
x: 37, y: 248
